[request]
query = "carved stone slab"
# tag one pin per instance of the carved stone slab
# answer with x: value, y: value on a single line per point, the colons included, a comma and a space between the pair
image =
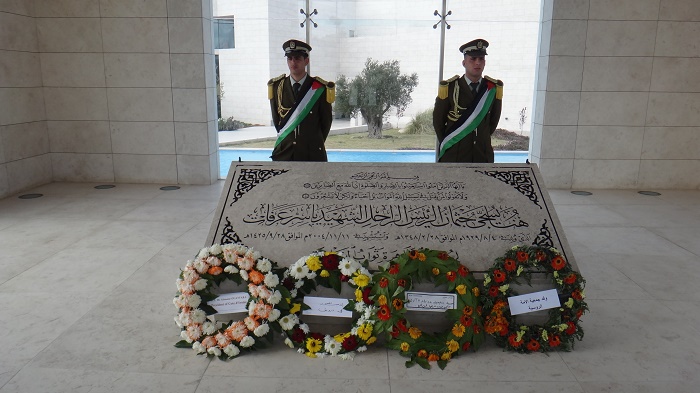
x: 375, y: 211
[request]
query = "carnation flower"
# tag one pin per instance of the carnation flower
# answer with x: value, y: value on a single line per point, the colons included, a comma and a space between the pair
x: 194, y: 332
x: 185, y: 336
x: 208, y: 328
x: 245, y: 263
x: 275, y: 298
x: 271, y: 279
x: 214, y: 351
x: 190, y: 275
x: 274, y: 314
x: 247, y: 342
x: 264, y: 265
x: 203, y: 253
x: 231, y: 269
x: 200, y: 265
x: 262, y: 330
x: 251, y: 323
x: 198, y: 316
x: 200, y: 284
x: 244, y: 275
x: 216, y: 249
x: 232, y: 350
x: 199, y: 348
x: 222, y: 340
x: 347, y: 356
x: 263, y: 292
x: 213, y: 261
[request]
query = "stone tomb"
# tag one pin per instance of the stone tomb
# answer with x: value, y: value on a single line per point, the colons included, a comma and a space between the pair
x: 375, y: 211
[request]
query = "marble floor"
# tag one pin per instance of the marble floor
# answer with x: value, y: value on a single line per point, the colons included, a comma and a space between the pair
x: 87, y: 278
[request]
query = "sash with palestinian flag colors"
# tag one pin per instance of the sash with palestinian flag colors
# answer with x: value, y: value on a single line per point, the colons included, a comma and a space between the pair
x: 470, y: 118
x: 299, y: 111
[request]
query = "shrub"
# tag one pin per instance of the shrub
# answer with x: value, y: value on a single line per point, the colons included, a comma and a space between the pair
x: 230, y: 124
x: 422, y: 123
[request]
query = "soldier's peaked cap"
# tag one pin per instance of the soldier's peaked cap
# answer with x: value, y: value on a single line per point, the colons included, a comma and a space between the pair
x: 296, y: 47
x: 476, y: 47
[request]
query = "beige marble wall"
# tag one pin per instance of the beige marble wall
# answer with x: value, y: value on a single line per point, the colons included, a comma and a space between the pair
x: 25, y: 160
x: 618, y: 94
x: 107, y: 91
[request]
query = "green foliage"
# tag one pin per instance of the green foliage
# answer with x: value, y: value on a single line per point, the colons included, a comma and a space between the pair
x: 378, y: 88
x: 231, y: 124
x: 422, y: 123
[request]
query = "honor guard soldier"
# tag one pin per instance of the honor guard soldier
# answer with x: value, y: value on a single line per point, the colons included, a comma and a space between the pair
x: 467, y: 109
x: 301, y: 108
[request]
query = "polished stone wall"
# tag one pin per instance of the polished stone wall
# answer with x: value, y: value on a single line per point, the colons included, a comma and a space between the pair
x: 25, y: 159
x: 618, y: 94
x: 107, y: 91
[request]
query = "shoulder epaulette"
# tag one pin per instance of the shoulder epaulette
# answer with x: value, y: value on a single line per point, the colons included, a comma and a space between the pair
x: 496, y: 81
x: 320, y: 80
x: 330, y: 89
x: 271, y: 82
x: 499, y: 86
x: 444, y: 87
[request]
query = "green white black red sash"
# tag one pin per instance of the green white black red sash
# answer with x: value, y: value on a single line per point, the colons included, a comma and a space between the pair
x: 470, y: 118
x: 299, y: 111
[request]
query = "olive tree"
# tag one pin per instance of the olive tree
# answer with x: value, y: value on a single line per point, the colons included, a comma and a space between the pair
x: 378, y: 88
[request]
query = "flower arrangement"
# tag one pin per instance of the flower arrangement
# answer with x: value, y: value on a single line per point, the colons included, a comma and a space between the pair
x: 563, y: 324
x: 389, y: 295
x: 212, y: 266
x: 330, y: 270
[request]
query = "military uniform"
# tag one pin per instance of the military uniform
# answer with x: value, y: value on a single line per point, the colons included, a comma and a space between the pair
x: 454, y: 97
x: 306, y: 141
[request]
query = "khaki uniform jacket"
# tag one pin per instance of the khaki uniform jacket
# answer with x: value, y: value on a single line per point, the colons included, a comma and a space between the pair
x: 475, y: 147
x: 306, y: 142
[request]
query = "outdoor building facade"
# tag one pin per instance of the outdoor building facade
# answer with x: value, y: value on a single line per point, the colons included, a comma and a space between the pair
x: 107, y: 91
x: 350, y: 32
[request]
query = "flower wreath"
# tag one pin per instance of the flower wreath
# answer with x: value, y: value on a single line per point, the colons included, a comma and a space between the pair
x: 389, y: 292
x: 563, y: 324
x: 330, y: 270
x: 213, y: 266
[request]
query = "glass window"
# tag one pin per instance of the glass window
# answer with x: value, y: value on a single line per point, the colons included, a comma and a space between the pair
x: 224, y: 34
